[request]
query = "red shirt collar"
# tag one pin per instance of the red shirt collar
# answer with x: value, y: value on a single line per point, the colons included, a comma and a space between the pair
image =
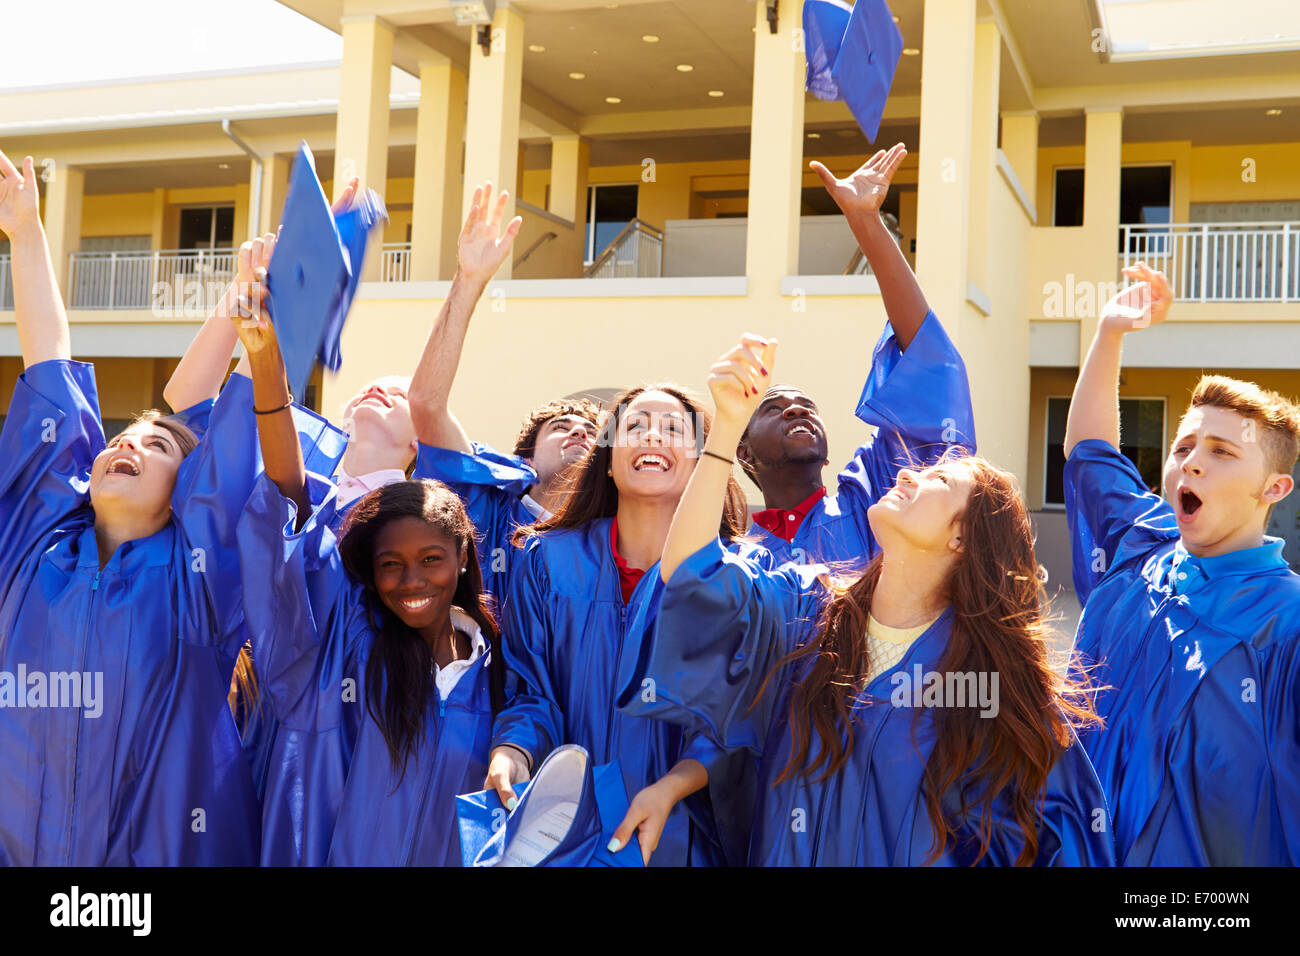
x: 784, y: 523
x: 628, y: 578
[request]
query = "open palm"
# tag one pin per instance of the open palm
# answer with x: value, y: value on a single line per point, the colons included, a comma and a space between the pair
x: 482, y: 246
x: 18, y: 198
x: 864, y: 189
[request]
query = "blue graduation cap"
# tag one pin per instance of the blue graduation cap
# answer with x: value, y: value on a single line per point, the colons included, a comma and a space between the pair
x: 566, y: 816
x: 354, y: 226
x: 311, y: 281
x: 852, y: 55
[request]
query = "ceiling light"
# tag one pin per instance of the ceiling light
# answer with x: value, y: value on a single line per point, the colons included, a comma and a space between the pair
x: 470, y: 12
x: 814, y: 135
x: 537, y: 48
x: 715, y: 92
x: 1273, y: 112
x: 223, y: 165
x: 613, y: 99
x: 895, y: 19
x: 650, y: 38
x: 910, y: 51
x: 577, y: 76
x: 684, y: 68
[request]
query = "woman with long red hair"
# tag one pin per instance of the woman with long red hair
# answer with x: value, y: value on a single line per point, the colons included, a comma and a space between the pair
x: 908, y: 716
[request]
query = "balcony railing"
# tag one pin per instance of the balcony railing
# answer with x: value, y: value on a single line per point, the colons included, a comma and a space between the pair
x: 637, y: 251
x: 1222, y: 261
x: 159, y: 279
x: 395, y: 262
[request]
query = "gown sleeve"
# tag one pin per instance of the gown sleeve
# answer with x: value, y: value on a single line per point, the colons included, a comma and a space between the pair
x: 304, y: 618
x: 1114, y: 518
x: 50, y: 438
x: 532, y: 720
x: 919, y: 401
x: 721, y: 628
x: 214, y: 483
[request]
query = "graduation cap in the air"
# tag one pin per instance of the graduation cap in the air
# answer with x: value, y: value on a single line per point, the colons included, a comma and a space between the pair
x: 566, y: 816
x: 313, y: 273
x: 852, y: 55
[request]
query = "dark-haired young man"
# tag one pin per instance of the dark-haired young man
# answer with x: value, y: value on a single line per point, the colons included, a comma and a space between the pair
x: 916, y: 395
x: 500, y: 491
x: 1190, y: 613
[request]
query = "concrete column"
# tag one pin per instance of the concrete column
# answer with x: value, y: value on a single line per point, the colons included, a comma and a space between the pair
x: 62, y: 219
x: 1103, y: 144
x: 492, y: 125
x: 944, y: 175
x: 275, y: 187
x: 1020, y: 144
x: 361, y: 137
x: 983, y: 144
x: 435, y: 200
x: 775, y: 152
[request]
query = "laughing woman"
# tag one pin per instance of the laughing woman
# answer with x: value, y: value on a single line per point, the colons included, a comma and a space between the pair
x: 812, y: 677
x: 377, y: 654
x: 572, y: 596
x: 116, y: 573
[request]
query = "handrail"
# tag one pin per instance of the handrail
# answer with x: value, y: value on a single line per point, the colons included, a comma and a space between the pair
x: 855, y: 266
x: 1219, y: 261
x: 541, y: 241
x: 636, y: 225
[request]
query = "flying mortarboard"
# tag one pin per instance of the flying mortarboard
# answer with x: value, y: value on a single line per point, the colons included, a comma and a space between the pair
x: 852, y: 54
x: 313, y: 274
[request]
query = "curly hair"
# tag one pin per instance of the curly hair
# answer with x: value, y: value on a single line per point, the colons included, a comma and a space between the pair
x: 526, y: 443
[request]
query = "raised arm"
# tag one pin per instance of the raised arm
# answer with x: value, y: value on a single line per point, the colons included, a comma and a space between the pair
x: 737, y: 382
x: 860, y: 196
x: 1094, y: 408
x: 38, y: 307
x: 480, y: 251
x: 276, y: 432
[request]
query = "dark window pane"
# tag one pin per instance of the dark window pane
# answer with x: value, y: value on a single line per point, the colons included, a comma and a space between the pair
x: 225, y: 226
x: 196, y: 228
x: 1141, y: 429
x: 1069, y: 198
x: 609, y: 209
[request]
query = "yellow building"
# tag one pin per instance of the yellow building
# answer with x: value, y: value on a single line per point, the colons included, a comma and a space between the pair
x: 658, y: 152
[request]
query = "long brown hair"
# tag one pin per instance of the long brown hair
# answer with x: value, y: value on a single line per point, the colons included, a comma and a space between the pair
x: 997, y: 599
x: 398, y: 674
x: 589, y: 491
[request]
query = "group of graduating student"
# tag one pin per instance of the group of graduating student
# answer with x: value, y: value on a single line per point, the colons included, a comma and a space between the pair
x: 420, y: 616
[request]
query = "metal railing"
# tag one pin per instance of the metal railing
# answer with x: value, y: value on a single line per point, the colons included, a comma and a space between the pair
x: 541, y: 241
x: 637, y: 251
x: 395, y: 262
x: 158, y: 279
x: 1221, y: 261
x: 6, y: 284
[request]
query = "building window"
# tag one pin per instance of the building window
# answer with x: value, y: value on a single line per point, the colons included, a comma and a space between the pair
x: 1145, y: 198
x: 609, y: 210
x: 1142, y: 441
x: 207, y: 227
x: 1067, y: 196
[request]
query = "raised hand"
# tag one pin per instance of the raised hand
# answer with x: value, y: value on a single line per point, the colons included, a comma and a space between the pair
x: 1145, y: 303
x: 249, y: 313
x: 482, y: 246
x: 738, y: 379
x: 19, y: 206
x: 864, y: 189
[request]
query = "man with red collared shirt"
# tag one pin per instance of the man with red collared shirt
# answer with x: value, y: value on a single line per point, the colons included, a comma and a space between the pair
x: 916, y: 395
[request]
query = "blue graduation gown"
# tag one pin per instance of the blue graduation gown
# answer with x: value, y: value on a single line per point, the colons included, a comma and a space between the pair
x: 722, y: 624
x: 919, y: 400
x: 566, y: 630
x: 1201, y: 749
x: 157, y: 777
x: 492, y: 485
x: 332, y: 795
